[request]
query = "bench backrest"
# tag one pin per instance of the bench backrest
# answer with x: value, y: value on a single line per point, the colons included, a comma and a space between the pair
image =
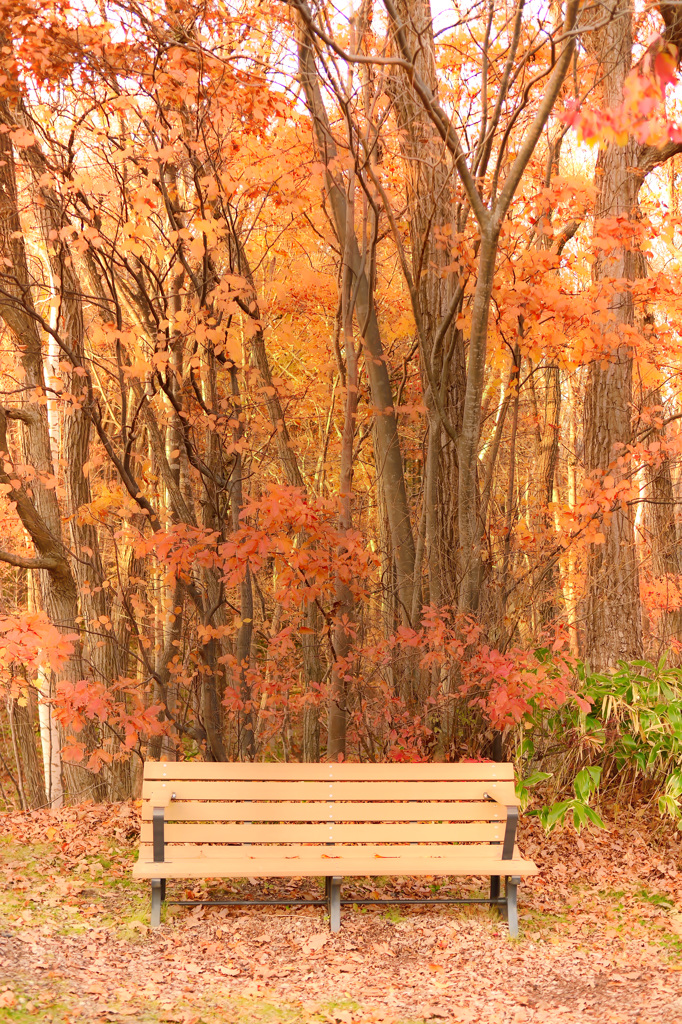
x: 326, y: 803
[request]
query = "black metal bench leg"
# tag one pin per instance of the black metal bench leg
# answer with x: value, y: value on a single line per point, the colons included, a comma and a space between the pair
x: 158, y: 896
x: 512, y: 908
x: 494, y: 887
x: 334, y: 887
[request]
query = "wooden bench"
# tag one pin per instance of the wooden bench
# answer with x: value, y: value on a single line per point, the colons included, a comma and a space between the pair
x: 208, y: 820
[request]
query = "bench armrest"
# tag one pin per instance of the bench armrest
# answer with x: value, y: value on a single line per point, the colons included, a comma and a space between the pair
x: 160, y: 797
x: 510, y: 827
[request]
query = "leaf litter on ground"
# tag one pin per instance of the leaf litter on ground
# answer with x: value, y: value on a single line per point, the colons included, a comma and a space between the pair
x: 600, y: 937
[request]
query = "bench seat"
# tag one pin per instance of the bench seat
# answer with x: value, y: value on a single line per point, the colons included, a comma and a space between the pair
x: 331, y: 821
x: 293, y: 862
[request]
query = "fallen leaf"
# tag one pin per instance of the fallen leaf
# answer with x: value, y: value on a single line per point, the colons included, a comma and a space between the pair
x: 315, y: 942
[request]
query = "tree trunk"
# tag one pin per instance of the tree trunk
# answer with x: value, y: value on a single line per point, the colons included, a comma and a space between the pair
x: 412, y: 27
x: 247, y: 739
x: 661, y: 527
x: 29, y: 768
x: 470, y: 526
x: 613, y: 628
x: 38, y: 511
x: 433, y: 216
x: 312, y: 674
x: 345, y: 611
x: 388, y: 456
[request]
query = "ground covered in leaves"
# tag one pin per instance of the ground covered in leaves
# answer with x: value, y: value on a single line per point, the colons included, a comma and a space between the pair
x: 600, y: 938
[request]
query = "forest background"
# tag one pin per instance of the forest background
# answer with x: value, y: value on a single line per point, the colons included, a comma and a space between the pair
x: 339, y: 375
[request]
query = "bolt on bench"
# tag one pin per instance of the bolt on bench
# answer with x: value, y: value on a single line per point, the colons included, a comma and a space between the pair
x: 239, y: 820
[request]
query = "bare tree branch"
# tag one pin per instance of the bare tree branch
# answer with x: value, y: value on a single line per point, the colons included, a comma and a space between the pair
x: 46, y: 562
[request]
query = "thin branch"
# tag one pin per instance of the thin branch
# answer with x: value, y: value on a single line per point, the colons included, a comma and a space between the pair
x: 528, y: 145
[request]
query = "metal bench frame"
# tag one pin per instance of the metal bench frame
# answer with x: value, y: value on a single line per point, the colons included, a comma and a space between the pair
x: 507, y: 904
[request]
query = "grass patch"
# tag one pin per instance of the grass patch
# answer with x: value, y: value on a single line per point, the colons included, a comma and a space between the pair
x: 50, y: 1008
x: 393, y: 915
x: 658, y: 899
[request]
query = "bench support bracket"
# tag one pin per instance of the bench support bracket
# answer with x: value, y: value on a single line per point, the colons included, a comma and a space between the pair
x: 333, y: 887
x: 158, y: 884
x: 512, y: 910
x: 507, y: 846
x: 158, y: 894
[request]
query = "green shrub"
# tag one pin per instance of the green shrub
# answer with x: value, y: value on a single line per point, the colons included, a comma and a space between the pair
x: 631, y: 735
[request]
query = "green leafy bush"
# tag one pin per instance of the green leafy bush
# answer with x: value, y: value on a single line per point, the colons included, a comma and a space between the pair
x: 631, y: 736
x: 585, y: 785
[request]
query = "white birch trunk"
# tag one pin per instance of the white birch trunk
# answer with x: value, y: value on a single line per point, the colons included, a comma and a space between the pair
x: 50, y: 744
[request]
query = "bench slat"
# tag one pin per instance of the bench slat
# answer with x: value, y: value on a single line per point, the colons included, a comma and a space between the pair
x: 413, y: 861
x: 485, y: 770
x: 188, y: 789
x: 320, y: 833
x: 189, y: 810
x: 321, y: 851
